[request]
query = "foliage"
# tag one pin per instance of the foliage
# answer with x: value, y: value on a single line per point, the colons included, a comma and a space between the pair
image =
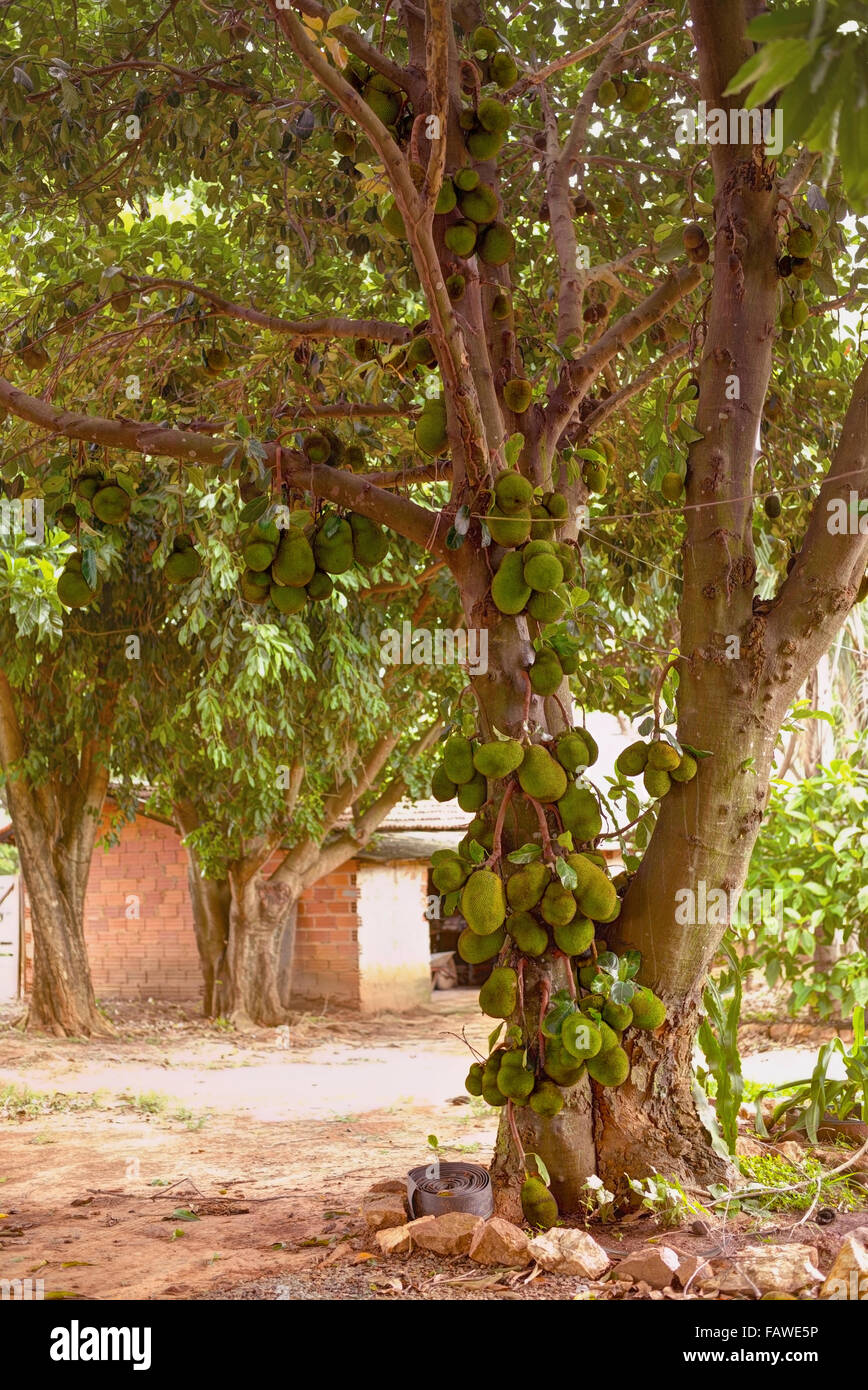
x: 776, y: 1184
x: 666, y: 1199
x: 718, y: 1039
x: 804, y: 1104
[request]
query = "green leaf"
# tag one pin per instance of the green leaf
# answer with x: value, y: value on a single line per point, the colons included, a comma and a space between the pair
x: 773, y: 67
x: 513, y: 448
x: 525, y: 854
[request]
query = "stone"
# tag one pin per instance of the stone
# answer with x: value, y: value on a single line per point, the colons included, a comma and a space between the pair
x: 388, y: 1185
x: 449, y: 1234
x: 499, y: 1242
x: 762, y: 1268
x: 848, y: 1277
x: 383, y: 1210
x: 396, y: 1240
x: 563, y: 1250
x: 655, y: 1265
x: 690, y: 1267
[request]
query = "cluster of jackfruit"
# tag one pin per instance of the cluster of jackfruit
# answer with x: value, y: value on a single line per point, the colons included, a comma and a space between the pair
x: 632, y: 95
x: 695, y: 243
x: 297, y: 565
x: 96, y: 497
x: 515, y: 519
x: 184, y: 562
x: 467, y: 766
x: 796, y: 263
x: 431, y: 434
x: 324, y: 446
x: 585, y: 1035
x: 658, y: 763
x: 495, y: 62
x: 485, y: 127
x: 383, y: 96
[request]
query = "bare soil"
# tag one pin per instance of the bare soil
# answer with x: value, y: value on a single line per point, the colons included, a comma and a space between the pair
x: 270, y: 1140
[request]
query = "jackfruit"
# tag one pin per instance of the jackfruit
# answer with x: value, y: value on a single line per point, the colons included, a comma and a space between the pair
x: 473, y: 1083
x: 526, y: 886
x: 442, y: 786
x: 287, y: 599
x: 111, y: 505
x: 431, y: 433
x: 547, y: 1099
x: 538, y: 1205
x: 480, y: 205
x: 496, y: 244
x: 587, y: 975
x: 540, y: 776
x: 567, y: 557
x: 686, y: 769
x: 333, y: 547
x: 517, y: 395
x: 649, y: 1011
x: 560, y: 1065
x: 446, y: 198
x: 476, y: 949
x: 483, y: 903
x: 508, y: 530
x: 672, y: 486
x: 491, y: 1095
x: 498, y: 758
x: 548, y: 608
x: 542, y: 526
x: 73, y: 589
x: 610, y: 1039
x: 575, y: 937
x: 656, y: 783
x: 458, y: 759
x: 558, y: 907
x: 320, y: 587
x: 607, y: 93
x: 580, y: 814
x: 87, y: 484
x: 609, y: 1068
x: 493, y: 116
x: 466, y: 179
x: 512, y: 492
x: 571, y: 752
x: 499, y: 994
x: 546, y: 673
x: 484, y: 40
x: 502, y: 70
x: 460, y: 238
x: 596, y: 894
x: 514, y: 1079
x: 501, y: 307
x: 183, y: 565
x: 449, y: 873
x: 580, y: 1038
x: 637, y: 97
x: 483, y: 144
x: 509, y: 593
x: 590, y: 741
x: 662, y: 757
x: 294, y: 562
x: 631, y: 761
x: 251, y: 589
x: 455, y: 286
x: 420, y: 353
x: 385, y: 105
x: 370, y: 545
x: 473, y: 794
x: 556, y: 505
x: 618, y: 1016
x: 526, y: 932
x: 801, y: 242
x: 543, y: 572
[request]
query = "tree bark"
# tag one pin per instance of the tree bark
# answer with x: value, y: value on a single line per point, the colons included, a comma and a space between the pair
x: 256, y: 977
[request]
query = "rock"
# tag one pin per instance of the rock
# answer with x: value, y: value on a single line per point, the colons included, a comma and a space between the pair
x: 388, y: 1185
x: 394, y: 1241
x: 449, y: 1234
x: 498, y: 1242
x: 384, y: 1210
x: 762, y: 1268
x: 690, y: 1267
x: 794, y: 1153
x: 563, y: 1250
x: 746, y: 1146
x: 655, y: 1265
x: 848, y: 1277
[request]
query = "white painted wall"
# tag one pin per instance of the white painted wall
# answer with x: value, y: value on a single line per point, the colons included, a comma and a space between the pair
x: 394, y: 950
x: 10, y: 936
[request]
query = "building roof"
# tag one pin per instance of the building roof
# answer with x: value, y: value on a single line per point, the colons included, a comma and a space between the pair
x: 426, y: 815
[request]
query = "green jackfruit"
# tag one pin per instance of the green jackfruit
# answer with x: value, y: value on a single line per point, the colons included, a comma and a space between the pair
x: 596, y: 894
x: 492, y: 115
x: 575, y: 937
x: 484, y: 40
x: 649, y: 1011
x: 509, y: 593
x: 496, y: 245
x: 483, y: 903
x: 528, y: 935
x: 287, y: 599
x: 480, y: 205
x: 499, y: 994
x: 473, y: 794
x: 492, y: 1095
x: 458, y: 759
x: 580, y: 814
x: 431, y: 434
x: 442, y: 786
x: 540, y: 776
x: 567, y: 557
x: 86, y: 485
x: 656, y: 783
x: 558, y: 906
x: 420, y: 353
x: 546, y: 673
x: 385, y: 105
x: 547, y: 1099
x: 610, y: 1038
x: 514, y: 1079
x: 571, y: 752
x: 333, y: 547
x: 556, y: 505
x: 508, y: 530
x: 483, y: 144
x: 252, y: 590
x: 449, y: 872
x: 580, y: 1038
x: 465, y: 179
x: 662, y: 757
x: 473, y: 1083
x: 543, y: 572
x: 542, y: 526
x: 672, y: 486
x: 525, y: 887
x: 317, y: 448
x: 686, y: 769
x: 73, y: 589
x: 393, y: 222
x: 517, y: 394
x: 503, y: 70
x: 476, y: 949
x: 609, y: 1068
x: 590, y: 741
x: 501, y: 307
x: 455, y: 286
x: 460, y: 237
x: 498, y: 758
x: 548, y: 608
x: 560, y: 1065
x: 294, y: 562
x: 512, y: 492
x: 587, y: 975
x: 618, y: 1016
x: 631, y: 761
x: 111, y: 505
x: 538, y: 1205
x: 446, y: 198
x: 182, y: 566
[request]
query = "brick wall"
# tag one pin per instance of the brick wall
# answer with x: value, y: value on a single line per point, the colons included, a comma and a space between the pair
x: 153, y: 954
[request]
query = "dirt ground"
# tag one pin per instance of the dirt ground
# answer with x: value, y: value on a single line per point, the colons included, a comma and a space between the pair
x: 180, y: 1160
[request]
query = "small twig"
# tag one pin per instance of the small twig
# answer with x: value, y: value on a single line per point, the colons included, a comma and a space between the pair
x: 513, y: 1127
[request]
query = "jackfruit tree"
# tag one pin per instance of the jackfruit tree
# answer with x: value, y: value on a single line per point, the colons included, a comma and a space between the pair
x: 569, y: 300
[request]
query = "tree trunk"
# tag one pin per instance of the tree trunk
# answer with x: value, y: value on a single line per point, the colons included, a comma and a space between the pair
x: 210, y: 899
x: 255, y: 980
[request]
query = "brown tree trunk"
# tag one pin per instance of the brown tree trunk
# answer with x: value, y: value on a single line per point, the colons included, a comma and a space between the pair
x: 210, y: 899
x: 256, y: 976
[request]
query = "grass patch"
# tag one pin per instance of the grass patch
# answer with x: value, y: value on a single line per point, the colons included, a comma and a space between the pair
x: 776, y: 1173
x: 20, y: 1102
